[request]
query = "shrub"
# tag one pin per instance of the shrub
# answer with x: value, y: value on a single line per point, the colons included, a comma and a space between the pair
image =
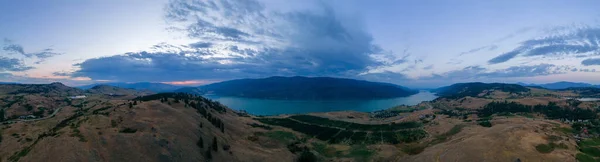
x: 543, y: 148
x: 307, y: 156
x: 485, y: 123
x: 128, y: 130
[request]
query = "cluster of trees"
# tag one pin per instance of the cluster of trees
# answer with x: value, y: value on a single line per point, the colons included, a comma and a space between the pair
x: 551, y: 110
x: 355, y: 126
x: 335, y: 133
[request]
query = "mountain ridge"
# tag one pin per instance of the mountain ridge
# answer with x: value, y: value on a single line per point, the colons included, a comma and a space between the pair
x: 309, y: 88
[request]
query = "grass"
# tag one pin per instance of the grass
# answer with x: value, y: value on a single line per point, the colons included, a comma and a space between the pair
x: 254, y: 125
x: 443, y: 137
x: 589, y: 142
x: 282, y: 136
x: 560, y: 145
x: 527, y: 115
x: 325, y: 150
x: 593, y: 151
x: 360, y: 153
x: 564, y: 130
x: 581, y: 157
x: 544, y: 148
x: 412, y: 149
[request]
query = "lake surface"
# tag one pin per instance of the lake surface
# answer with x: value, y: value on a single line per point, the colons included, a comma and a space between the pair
x: 276, y: 107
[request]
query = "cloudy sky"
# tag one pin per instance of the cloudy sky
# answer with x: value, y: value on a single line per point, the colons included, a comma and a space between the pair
x: 413, y: 43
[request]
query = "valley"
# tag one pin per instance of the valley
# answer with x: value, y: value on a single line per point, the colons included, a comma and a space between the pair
x: 522, y: 123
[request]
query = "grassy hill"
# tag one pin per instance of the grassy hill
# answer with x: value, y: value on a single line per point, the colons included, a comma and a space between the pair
x: 475, y: 89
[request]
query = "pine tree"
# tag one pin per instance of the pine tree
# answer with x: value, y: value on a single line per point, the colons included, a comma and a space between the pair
x: 130, y: 105
x: 200, y: 143
x: 222, y: 128
x: 215, y: 147
x: 1, y: 114
x: 208, y: 154
x: 134, y: 102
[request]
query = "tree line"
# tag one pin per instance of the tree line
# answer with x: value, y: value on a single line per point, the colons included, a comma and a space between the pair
x: 551, y: 110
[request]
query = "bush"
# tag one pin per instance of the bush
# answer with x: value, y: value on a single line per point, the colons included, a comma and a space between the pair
x: 128, y: 130
x: 307, y: 156
x: 543, y: 148
x: 485, y: 123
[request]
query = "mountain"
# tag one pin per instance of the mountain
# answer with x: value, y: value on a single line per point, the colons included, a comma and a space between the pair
x: 116, y: 91
x: 307, y: 88
x: 474, y: 89
x: 190, y: 90
x: 155, y: 87
x: 561, y: 85
x: 53, y: 89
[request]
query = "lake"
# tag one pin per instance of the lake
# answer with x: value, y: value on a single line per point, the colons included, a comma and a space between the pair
x: 276, y: 107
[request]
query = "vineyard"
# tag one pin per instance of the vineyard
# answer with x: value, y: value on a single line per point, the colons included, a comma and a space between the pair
x: 335, y: 131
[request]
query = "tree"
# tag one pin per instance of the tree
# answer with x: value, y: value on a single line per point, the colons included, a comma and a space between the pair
x: 200, y: 143
x: 307, y: 156
x: 134, y: 102
x: 2, y: 114
x: 222, y: 128
x: 208, y: 154
x: 130, y: 105
x: 215, y: 147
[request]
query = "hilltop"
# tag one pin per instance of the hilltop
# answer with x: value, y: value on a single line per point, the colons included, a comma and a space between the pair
x: 154, y: 87
x: 307, y: 88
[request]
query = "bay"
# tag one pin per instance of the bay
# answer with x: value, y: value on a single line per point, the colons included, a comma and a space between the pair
x: 277, y: 107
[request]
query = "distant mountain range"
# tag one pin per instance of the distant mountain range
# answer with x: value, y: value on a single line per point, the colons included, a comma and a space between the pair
x: 560, y: 85
x: 154, y: 87
x: 307, y: 88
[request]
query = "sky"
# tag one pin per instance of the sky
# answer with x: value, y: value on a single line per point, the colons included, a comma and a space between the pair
x: 419, y: 44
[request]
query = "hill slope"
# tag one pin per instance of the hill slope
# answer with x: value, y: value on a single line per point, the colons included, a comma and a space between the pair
x: 155, y: 87
x: 460, y: 90
x: 317, y: 88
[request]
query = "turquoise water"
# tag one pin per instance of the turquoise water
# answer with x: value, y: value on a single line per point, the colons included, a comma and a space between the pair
x: 276, y: 107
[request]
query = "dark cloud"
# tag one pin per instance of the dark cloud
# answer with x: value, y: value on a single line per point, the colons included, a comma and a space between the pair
x: 592, y: 61
x: 61, y: 73
x: 12, y: 48
x: 201, y: 45
x: 12, y: 64
x: 238, y: 38
x: 504, y: 57
x: 577, y: 42
x: 488, y: 48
